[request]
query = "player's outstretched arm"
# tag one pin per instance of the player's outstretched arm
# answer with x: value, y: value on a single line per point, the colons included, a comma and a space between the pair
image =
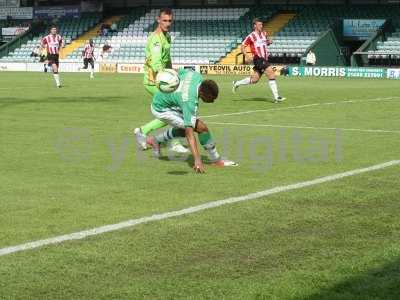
x: 198, y: 164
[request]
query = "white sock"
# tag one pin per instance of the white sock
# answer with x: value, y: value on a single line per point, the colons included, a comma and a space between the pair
x: 212, y: 152
x: 57, y: 79
x: 274, y: 88
x: 91, y: 73
x: 244, y: 81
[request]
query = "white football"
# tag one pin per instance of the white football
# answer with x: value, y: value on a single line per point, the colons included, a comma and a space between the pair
x: 167, y: 80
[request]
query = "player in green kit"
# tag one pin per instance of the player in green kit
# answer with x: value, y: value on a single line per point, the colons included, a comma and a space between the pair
x: 180, y: 110
x: 158, y: 57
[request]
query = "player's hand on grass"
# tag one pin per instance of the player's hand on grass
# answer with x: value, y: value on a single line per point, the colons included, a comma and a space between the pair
x: 199, y: 167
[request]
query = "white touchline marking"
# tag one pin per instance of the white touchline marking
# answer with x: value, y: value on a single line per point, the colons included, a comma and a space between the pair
x: 24, y: 88
x: 305, y: 127
x: 190, y: 210
x: 300, y: 106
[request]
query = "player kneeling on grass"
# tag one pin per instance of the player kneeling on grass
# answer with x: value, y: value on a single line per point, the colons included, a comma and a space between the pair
x: 179, y: 109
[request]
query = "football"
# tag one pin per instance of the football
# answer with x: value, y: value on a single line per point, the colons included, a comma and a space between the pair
x: 167, y: 80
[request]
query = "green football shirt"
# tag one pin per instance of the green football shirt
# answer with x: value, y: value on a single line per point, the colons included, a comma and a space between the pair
x: 158, y: 55
x: 185, y: 99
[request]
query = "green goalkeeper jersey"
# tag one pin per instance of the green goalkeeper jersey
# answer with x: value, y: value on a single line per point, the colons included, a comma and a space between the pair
x: 158, y: 55
x: 185, y: 99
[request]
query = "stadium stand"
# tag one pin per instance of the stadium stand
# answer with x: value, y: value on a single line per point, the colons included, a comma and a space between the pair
x: 210, y: 35
x: 126, y: 32
x: 3, y: 23
x: 291, y: 43
x: 73, y: 51
x: 265, y: 14
x: 293, y: 29
x: 13, y: 23
x: 199, y: 35
x: 387, y: 52
x: 69, y: 28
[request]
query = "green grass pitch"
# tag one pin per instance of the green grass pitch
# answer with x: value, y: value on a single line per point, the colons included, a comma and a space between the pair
x: 68, y: 162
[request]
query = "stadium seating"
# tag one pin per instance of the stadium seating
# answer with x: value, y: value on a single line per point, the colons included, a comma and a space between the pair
x: 69, y: 28
x: 12, y: 23
x: 298, y: 35
x: 205, y: 35
x: 268, y: 14
x: 387, y: 52
x: 199, y: 35
x: 3, y: 23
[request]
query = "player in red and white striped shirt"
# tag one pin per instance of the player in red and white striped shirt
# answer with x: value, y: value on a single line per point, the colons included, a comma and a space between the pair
x: 53, y: 44
x: 258, y: 43
x: 88, y: 57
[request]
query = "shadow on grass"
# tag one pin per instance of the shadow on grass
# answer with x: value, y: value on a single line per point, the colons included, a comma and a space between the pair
x: 378, y: 283
x: 178, y: 173
x: 184, y: 159
x: 7, y: 102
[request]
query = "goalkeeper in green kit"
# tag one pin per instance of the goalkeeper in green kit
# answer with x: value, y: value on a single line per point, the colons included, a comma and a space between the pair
x: 180, y: 110
x: 158, y: 57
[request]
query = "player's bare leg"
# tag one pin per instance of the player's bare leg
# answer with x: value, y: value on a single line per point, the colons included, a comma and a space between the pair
x: 56, y: 75
x: 254, y: 78
x: 270, y: 73
x: 92, y: 72
x: 91, y: 69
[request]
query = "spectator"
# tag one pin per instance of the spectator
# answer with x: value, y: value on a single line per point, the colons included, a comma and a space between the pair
x: 55, y: 20
x: 105, y: 50
x: 114, y: 27
x: 43, y: 59
x: 9, y: 21
x: 104, y: 29
x: 35, y: 52
x: 311, y: 59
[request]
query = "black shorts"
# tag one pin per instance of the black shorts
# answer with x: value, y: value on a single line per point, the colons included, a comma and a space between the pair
x: 87, y: 61
x: 53, y: 59
x: 260, y: 64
